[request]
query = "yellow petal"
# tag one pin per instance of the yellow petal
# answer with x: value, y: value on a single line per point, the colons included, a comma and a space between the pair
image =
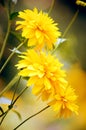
x: 47, y: 83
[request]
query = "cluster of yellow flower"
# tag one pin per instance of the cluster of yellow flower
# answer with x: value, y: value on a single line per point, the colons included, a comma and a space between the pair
x: 44, y: 71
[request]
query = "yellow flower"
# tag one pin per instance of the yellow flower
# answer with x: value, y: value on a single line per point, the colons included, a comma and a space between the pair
x: 45, y: 72
x: 38, y: 28
x: 65, y: 102
x: 82, y: 3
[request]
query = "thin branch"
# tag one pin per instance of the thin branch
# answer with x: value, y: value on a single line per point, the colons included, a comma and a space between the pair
x: 51, y: 7
x: 31, y: 117
x: 68, y: 27
x: 11, y: 55
x: 11, y: 83
x: 5, y: 40
x: 71, y: 23
x: 19, y: 95
x: 4, y: 116
x: 15, y: 90
x: 11, y: 106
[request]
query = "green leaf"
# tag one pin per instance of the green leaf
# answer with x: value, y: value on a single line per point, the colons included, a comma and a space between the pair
x: 13, y: 15
x: 18, y: 36
x: 18, y: 114
x: 67, y: 52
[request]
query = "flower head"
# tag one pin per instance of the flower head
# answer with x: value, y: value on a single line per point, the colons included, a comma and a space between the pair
x: 38, y: 28
x: 45, y: 72
x: 65, y: 102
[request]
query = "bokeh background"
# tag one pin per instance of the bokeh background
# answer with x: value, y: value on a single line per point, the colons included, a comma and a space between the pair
x: 72, y: 53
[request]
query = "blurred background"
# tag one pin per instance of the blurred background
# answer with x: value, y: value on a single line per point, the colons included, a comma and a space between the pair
x: 72, y: 53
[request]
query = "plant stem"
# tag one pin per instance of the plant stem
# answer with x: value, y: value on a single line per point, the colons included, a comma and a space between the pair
x: 16, y: 87
x: 11, y: 106
x: 11, y: 55
x: 51, y: 7
x: 68, y: 27
x: 1, y: 111
x: 70, y: 24
x: 31, y: 117
x: 6, y: 37
x: 12, y: 82
x: 19, y: 95
x: 4, y: 116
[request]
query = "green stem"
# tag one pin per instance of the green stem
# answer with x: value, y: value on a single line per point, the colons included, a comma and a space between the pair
x: 31, y: 117
x: 51, y: 7
x: 68, y: 27
x: 19, y: 95
x: 12, y: 82
x: 11, y: 55
x: 1, y: 111
x: 16, y: 87
x: 5, y: 40
x: 11, y: 106
x: 70, y: 24
x: 4, y: 117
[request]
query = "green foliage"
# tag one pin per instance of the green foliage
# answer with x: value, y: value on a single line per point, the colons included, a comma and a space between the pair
x: 18, y: 114
x: 18, y: 36
x: 13, y: 15
x: 66, y: 50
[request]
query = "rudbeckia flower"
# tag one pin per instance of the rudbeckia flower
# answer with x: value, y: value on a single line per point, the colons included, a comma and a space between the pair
x: 44, y: 71
x: 40, y: 30
x: 64, y: 102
